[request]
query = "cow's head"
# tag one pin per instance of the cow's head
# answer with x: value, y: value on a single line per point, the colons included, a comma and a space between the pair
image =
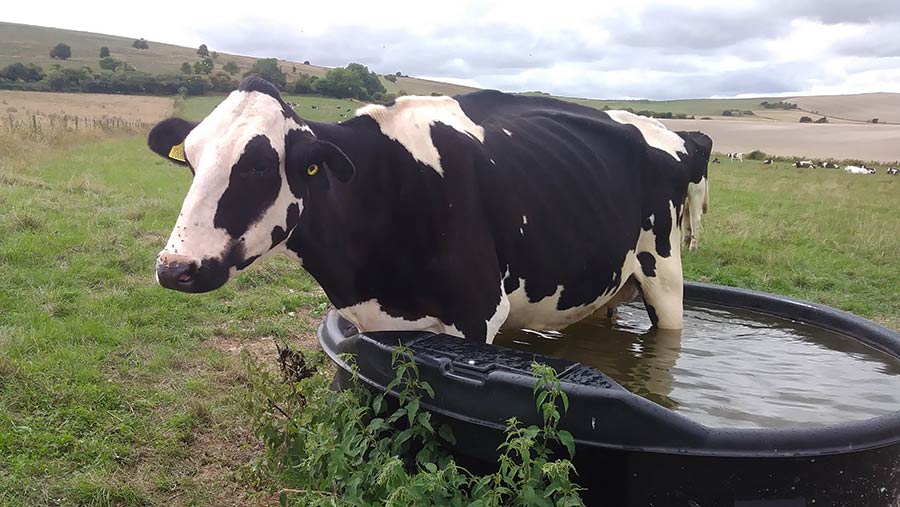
x: 254, y: 164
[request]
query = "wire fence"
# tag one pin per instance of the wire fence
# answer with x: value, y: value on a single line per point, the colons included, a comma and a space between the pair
x: 37, y: 122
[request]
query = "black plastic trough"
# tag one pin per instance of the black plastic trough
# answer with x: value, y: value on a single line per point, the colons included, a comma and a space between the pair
x: 633, y: 452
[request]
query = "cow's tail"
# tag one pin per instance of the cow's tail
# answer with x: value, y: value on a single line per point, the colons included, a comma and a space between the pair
x: 706, y: 197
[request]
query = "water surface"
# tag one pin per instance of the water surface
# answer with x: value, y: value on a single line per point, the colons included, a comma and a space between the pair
x: 731, y: 367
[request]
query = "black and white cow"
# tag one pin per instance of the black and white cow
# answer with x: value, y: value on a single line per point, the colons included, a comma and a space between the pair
x: 458, y: 215
x: 699, y: 148
x: 804, y: 164
x: 768, y: 161
x: 828, y: 165
x: 893, y: 171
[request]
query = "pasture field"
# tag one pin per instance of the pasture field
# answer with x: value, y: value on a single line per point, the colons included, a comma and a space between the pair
x: 327, y: 109
x: 697, y: 107
x: 114, y: 391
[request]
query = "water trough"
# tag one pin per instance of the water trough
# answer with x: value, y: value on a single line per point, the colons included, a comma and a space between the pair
x: 632, y: 451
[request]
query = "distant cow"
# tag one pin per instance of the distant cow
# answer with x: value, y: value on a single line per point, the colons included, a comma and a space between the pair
x: 828, y: 165
x: 768, y: 161
x: 699, y: 147
x: 716, y: 161
x: 803, y: 164
x: 893, y: 171
x: 736, y: 156
x: 855, y: 169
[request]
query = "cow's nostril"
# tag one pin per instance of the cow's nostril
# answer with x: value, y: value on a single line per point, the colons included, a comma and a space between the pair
x: 184, y: 278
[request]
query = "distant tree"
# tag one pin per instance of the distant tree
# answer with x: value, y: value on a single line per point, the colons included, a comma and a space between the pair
x: 305, y: 84
x: 727, y: 112
x: 186, y: 68
x: 231, y: 68
x: 823, y: 119
x: 305, y: 62
x: 109, y: 63
x: 203, y: 51
x: 391, y: 78
x: 222, y: 82
x: 204, y: 66
x: 61, y: 51
x: 294, y: 69
x: 370, y: 80
x: 140, y: 44
x: 342, y: 83
x: 104, y: 52
x: 267, y: 68
x: 874, y: 120
x: 398, y: 74
x: 30, y: 73
x: 805, y: 119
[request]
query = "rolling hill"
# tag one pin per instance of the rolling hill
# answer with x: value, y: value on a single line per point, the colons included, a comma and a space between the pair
x: 28, y: 43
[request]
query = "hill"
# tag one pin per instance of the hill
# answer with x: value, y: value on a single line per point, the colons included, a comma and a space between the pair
x: 28, y: 43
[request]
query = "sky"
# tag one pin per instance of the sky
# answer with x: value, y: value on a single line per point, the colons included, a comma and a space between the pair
x: 656, y: 49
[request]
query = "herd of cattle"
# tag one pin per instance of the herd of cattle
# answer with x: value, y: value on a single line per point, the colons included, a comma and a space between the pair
x: 810, y: 164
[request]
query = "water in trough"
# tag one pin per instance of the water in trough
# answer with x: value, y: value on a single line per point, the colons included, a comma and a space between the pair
x: 731, y: 368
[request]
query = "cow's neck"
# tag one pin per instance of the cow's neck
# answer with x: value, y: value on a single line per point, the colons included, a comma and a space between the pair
x: 336, y: 232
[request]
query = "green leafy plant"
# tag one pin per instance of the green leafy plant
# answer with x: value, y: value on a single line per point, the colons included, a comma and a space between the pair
x: 358, y: 447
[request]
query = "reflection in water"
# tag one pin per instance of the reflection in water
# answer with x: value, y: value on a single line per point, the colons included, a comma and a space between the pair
x: 730, y: 367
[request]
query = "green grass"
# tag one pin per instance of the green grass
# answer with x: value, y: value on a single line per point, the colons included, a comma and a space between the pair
x: 196, y: 108
x: 821, y: 235
x: 114, y: 391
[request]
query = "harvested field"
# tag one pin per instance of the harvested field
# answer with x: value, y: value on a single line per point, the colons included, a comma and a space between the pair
x: 862, y: 107
x: 22, y: 105
x: 839, y: 141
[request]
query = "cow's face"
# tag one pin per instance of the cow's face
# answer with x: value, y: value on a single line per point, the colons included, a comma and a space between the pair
x: 254, y: 163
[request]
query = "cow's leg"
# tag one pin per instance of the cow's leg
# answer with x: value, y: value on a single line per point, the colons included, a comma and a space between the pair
x: 696, y: 205
x: 660, y: 278
x: 499, y: 317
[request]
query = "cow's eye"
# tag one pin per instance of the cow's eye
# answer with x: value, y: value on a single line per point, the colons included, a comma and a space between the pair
x: 260, y: 169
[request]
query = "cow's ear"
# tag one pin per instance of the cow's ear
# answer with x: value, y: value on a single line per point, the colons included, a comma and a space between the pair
x: 336, y: 161
x: 167, y: 139
x: 307, y: 154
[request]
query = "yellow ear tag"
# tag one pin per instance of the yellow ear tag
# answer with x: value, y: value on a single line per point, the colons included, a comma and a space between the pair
x: 312, y: 169
x: 177, y: 152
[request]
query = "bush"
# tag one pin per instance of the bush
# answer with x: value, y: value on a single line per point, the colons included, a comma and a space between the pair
x: 140, y: 44
x: 109, y: 63
x: 805, y: 119
x: 204, y: 66
x: 104, y: 52
x: 727, y: 112
x: 390, y: 78
x: 267, y: 68
x: 822, y: 120
x: 30, y: 73
x: 222, y: 82
x: 351, y: 448
x: 757, y: 155
x: 304, y: 85
x: 203, y: 51
x: 61, y: 51
x: 186, y: 68
x: 231, y: 68
x: 305, y: 62
x: 874, y: 120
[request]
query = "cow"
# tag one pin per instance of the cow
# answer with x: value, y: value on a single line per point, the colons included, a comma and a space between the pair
x: 736, y: 156
x: 804, y: 164
x: 697, y: 203
x: 853, y: 169
x: 457, y: 215
x: 892, y: 171
x: 716, y: 161
x: 768, y: 161
x: 828, y: 165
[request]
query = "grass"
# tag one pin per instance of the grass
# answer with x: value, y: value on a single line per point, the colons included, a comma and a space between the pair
x: 327, y: 109
x: 114, y: 391
x: 697, y: 107
x: 821, y: 235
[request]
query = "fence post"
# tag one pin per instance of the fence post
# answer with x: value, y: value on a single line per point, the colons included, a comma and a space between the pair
x: 34, y: 122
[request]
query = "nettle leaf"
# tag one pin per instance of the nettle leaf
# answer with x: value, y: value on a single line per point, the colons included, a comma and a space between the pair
x: 566, y: 439
x: 446, y: 433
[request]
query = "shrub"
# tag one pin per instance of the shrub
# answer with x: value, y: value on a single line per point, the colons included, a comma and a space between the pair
x: 140, y: 44
x: 805, y: 119
x: 727, y: 112
x: 823, y: 119
x: 305, y: 62
x: 109, y: 63
x: 874, y: 120
x: 61, y: 51
x: 30, y: 73
x: 231, y: 68
x: 104, y: 52
x: 391, y: 78
x: 186, y: 68
x: 204, y: 66
x: 267, y: 68
x: 203, y: 51
x: 353, y: 448
x: 757, y: 155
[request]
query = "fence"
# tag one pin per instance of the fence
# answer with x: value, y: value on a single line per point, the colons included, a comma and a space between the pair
x: 37, y: 122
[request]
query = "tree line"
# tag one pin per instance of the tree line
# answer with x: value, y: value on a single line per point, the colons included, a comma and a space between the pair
x: 193, y: 78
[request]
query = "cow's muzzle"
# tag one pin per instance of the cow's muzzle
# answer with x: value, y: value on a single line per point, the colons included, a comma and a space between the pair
x: 183, y: 274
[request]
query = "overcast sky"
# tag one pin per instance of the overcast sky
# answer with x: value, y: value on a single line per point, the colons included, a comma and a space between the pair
x: 654, y: 49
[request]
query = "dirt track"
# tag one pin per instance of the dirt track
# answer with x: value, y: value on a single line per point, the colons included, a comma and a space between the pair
x: 867, y: 142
